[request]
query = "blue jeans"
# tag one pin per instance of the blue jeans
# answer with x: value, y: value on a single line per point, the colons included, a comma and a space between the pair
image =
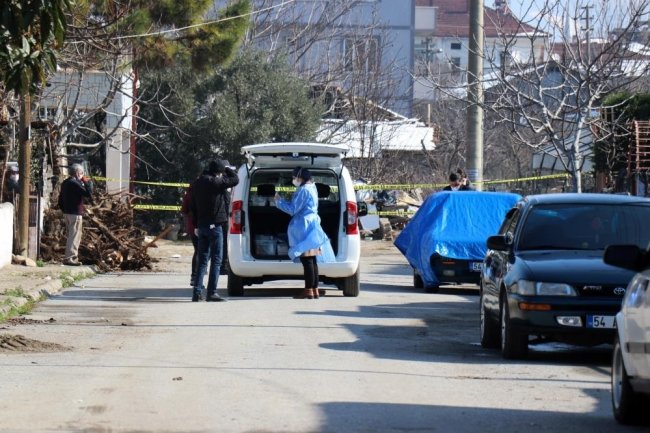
x: 210, y: 249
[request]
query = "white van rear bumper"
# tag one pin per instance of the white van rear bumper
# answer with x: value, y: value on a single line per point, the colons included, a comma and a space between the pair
x: 244, y: 265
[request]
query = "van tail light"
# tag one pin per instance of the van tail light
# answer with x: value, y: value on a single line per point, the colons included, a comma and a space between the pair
x: 236, y: 217
x: 351, y: 223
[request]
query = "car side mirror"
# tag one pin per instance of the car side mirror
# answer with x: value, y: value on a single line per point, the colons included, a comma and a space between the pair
x: 499, y: 242
x: 626, y: 256
x: 362, y: 208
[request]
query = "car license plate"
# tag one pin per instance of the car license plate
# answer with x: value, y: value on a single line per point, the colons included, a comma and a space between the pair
x: 605, y: 322
x: 475, y: 266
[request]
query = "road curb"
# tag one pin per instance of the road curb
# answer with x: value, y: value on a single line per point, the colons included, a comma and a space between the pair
x: 40, y: 290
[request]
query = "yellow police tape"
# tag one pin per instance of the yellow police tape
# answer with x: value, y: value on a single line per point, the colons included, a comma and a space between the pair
x: 156, y: 207
x: 410, y: 186
x: 359, y: 187
x: 142, y: 182
x: 178, y: 208
x: 379, y: 186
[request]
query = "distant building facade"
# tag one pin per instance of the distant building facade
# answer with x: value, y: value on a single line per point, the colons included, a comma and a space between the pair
x: 441, y: 51
x: 364, y: 47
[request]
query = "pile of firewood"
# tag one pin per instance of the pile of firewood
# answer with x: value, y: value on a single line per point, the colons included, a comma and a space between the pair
x: 109, y: 241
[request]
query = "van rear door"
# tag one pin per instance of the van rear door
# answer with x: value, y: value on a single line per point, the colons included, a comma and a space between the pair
x: 283, y: 155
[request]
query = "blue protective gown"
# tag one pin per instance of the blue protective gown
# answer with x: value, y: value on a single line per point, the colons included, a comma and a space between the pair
x: 305, y: 232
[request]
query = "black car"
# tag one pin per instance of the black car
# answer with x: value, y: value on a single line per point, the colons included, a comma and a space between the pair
x: 544, y: 275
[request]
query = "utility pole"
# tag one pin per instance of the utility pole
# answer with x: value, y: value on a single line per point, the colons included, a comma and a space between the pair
x: 587, y: 30
x: 24, y: 168
x: 475, y: 95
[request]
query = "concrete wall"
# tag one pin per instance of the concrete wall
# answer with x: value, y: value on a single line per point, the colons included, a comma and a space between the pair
x: 6, y: 233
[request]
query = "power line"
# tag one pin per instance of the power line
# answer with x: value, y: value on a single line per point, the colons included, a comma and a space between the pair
x: 207, y: 23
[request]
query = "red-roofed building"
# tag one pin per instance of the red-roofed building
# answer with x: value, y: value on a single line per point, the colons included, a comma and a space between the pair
x: 441, y: 43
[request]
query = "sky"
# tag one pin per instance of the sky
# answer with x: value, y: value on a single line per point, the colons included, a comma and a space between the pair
x: 604, y: 14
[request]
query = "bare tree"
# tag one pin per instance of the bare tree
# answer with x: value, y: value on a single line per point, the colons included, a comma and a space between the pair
x: 342, y: 48
x: 552, y: 103
x: 92, y: 102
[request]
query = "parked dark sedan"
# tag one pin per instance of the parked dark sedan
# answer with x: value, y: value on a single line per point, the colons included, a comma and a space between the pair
x: 544, y: 275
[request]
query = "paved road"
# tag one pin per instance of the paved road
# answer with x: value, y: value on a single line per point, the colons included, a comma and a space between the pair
x: 142, y: 358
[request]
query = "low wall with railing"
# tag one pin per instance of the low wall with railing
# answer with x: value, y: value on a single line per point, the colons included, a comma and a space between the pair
x: 6, y: 233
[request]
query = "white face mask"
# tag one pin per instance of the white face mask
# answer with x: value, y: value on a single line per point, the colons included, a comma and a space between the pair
x: 14, y: 177
x: 296, y: 182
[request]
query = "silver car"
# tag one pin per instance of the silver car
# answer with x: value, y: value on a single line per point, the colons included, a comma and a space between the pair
x: 631, y: 358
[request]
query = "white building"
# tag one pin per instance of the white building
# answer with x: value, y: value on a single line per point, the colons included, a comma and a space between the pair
x: 69, y: 92
x: 442, y: 44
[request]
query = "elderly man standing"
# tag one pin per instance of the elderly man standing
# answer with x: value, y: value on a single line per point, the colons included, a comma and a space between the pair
x: 210, y: 211
x: 73, y: 190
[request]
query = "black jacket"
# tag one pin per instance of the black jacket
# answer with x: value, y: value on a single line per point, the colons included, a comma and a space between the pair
x: 461, y: 188
x: 209, y: 198
x: 71, y: 196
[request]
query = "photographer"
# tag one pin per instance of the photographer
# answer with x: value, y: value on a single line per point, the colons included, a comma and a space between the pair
x: 73, y: 190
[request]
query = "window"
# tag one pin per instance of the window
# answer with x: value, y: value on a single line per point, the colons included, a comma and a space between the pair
x: 455, y: 63
x: 361, y: 54
x: 455, y: 46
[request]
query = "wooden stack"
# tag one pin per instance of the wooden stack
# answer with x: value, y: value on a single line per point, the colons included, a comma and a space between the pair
x: 109, y: 241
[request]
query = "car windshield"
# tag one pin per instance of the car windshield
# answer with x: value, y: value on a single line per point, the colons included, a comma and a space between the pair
x: 585, y: 226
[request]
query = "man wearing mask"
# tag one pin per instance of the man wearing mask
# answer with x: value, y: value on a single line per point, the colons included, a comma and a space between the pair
x: 73, y: 190
x: 210, y: 211
x: 455, y: 183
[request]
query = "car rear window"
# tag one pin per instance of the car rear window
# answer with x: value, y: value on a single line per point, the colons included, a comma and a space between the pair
x: 266, y: 181
x: 585, y: 226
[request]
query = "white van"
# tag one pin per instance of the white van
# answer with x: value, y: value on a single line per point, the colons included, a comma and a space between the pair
x: 257, y: 236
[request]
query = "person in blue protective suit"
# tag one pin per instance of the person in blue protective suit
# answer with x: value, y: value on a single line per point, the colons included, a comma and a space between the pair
x: 307, y: 240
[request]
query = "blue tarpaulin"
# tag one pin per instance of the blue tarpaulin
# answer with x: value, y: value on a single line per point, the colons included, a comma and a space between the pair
x: 455, y: 225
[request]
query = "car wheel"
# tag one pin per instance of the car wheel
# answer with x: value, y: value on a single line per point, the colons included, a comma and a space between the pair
x: 432, y: 289
x: 417, y: 280
x: 351, y: 285
x: 514, y: 345
x: 235, y: 285
x: 625, y: 402
x: 489, y: 328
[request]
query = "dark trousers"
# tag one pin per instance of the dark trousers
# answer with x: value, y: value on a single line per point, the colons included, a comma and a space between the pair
x: 225, y: 265
x: 209, y: 252
x: 310, y: 266
x: 195, y: 244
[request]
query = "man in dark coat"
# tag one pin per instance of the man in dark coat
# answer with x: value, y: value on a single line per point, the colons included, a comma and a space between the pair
x: 455, y: 184
x: 210, y: 211
x: 73, y: 191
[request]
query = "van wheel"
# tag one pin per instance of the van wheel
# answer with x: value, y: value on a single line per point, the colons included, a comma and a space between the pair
x: 417, y: 280
x: 626, y: 403
x: 351, y: 285
x: 235, y: 285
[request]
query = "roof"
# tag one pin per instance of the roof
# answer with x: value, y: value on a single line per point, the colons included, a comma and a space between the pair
x: 565, y: 198
x: 452, y: 20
